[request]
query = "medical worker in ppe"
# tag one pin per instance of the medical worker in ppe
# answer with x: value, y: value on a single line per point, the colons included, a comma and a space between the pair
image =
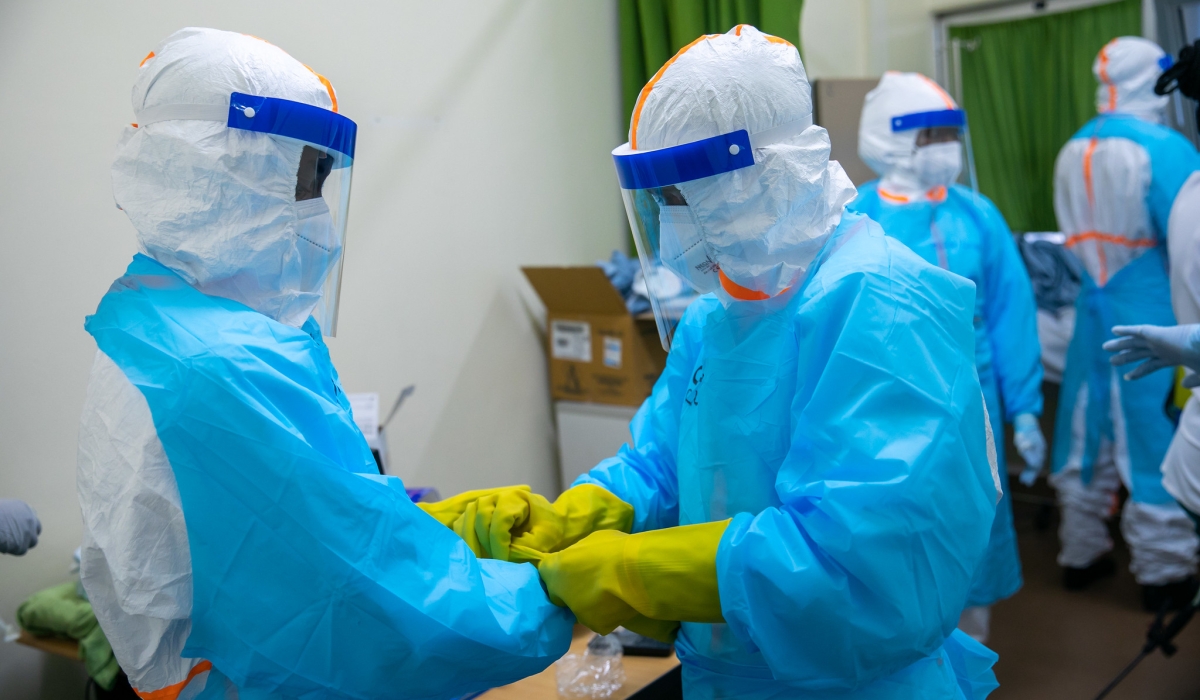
x: 810, y: 483
x: 1158, y: 347
x: 238, y: 539
x: 1116, y: 182
x: 909, y: 133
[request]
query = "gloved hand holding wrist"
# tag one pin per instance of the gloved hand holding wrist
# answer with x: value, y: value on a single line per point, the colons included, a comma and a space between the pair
x: 1031, y: 444
x: 448, y: 510
x: 610, y: 579
x: 580, y: 510
x: 514, y: 524
x: 485, y: 518
x: 19, y: 527
x: 1159, y: 346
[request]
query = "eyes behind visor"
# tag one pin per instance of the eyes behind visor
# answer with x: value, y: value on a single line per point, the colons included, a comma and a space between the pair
x: 315, y: 166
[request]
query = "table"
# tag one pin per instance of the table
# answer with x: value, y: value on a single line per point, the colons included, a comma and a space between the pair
x: 640, y: 671
x: 58, y: 646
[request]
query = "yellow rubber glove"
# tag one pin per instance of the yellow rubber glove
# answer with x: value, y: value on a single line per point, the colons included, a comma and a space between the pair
x: 488, y: 523
x: 447, y: 510
x: 514, y: 524
x: 580, y: 510
x: 611, y: 579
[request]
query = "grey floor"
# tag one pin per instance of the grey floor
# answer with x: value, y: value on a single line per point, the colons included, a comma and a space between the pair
x: 1062, y: 645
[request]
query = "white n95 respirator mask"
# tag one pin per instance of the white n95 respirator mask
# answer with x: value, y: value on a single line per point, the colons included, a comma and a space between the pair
x: 938, y: 164
x: 682, y: 249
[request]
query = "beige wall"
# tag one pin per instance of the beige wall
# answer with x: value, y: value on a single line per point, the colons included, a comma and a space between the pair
x: 864, y: 38
x: 485, y: 131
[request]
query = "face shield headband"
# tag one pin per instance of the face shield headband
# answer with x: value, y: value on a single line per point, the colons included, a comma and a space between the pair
x: 944, y: 119
x: 670, y: 242
x: 323, y: 180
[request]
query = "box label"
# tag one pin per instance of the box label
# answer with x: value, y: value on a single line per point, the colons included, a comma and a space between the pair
x: 571, y: 340
x: 612, y: 352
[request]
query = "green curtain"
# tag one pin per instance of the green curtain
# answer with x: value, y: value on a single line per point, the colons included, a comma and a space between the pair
x: 1027, y: 87
x: 652, y: 31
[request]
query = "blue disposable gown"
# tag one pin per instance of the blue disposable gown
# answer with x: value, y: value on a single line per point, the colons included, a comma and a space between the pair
x: 313, y: 576
x: 1140, y: 292
x: 841, y: 426
x: 967, y: 235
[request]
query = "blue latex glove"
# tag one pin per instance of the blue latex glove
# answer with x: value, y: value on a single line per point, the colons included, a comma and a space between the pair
x: 19, y: 527
x: 1160, y: 346
x: 1031, y: 444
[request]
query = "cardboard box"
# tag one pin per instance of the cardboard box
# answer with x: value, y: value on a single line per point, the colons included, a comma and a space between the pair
x: 595, y: 349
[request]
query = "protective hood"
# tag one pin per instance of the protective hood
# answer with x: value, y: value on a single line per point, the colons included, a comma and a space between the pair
x: 893, y: 153
x: 763, y: 224
x: 218, y: 205
x: 1127, y: 68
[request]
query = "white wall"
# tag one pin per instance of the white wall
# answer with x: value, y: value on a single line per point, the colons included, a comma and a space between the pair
x: 484, y: 135
x: 864, y: 38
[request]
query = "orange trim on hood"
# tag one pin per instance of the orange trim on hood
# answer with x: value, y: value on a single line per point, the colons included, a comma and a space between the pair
x: 739, y: 292
x: 1112, y: 89
x: 641, y: 100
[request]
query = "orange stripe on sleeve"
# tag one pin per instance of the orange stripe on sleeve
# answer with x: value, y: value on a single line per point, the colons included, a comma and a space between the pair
x: 1087, y: 170
x: 171, y: 692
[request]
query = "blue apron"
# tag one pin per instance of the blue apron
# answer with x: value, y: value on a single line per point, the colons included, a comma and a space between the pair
x: 313, y: 576
x: 841, y: 426
x: 1139, y: 293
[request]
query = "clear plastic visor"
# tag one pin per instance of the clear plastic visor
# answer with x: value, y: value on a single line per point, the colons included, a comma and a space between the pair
x: 322, y: 186
x: 322, y: 208
x: 943, y: 126
x: 675, y: 260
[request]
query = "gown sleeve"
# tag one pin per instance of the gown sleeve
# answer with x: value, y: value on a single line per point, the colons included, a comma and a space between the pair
x: 887, y: 491
x: 644, y: 475
x: 312, y: 575
x: 1011, y: 316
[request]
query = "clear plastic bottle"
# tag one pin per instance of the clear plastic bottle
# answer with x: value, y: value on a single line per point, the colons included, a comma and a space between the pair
x: 597, y: 673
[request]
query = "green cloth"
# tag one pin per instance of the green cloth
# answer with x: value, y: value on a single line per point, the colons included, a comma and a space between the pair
x: 652, y: 31
x: 60, y: 612
x: 1027, y: 88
